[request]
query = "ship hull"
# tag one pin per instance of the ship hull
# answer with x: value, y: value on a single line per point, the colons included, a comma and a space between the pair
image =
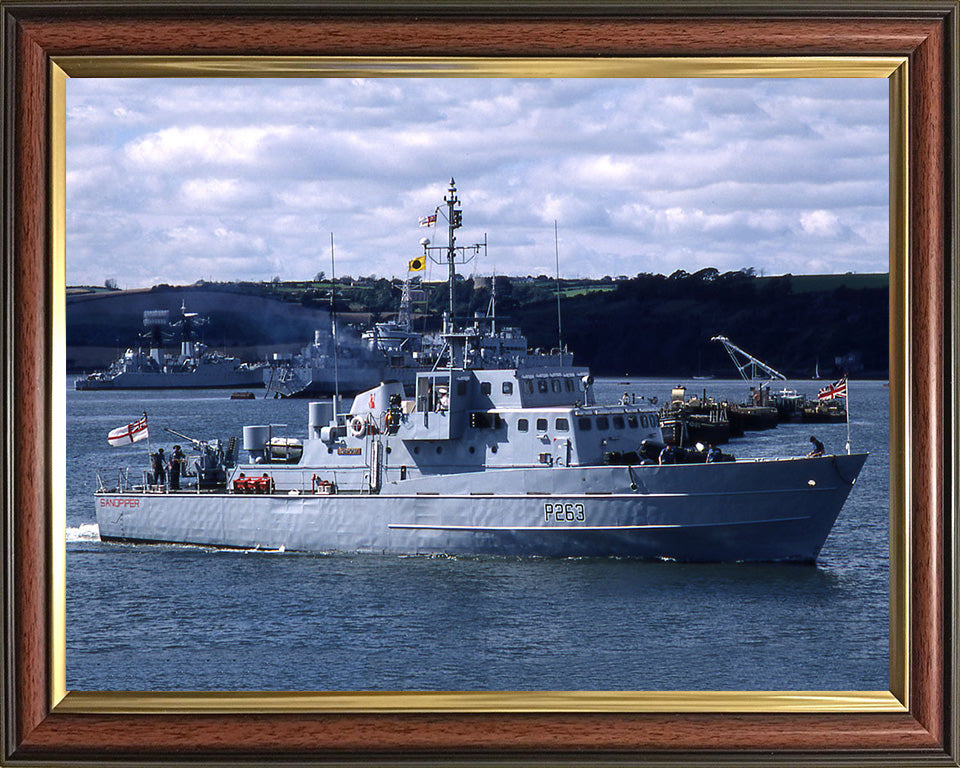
x: 318, y: 384
x: 202, y: 379
x: 776, y: 510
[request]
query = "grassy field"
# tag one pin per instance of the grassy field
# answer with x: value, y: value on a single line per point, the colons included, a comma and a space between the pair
x: 817, y: 283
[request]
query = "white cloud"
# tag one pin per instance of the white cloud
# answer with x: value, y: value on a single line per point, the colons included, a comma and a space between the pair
x: 820, y: 223
x: 198, y: 143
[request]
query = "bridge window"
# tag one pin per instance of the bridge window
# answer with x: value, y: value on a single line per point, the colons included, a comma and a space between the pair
x: 461, y: 388
x: 569, y: 384
x: 584, y: 423
x: 541, y: 425
x: 542, y: 385
x: 523, y: 425
x: 484, y: 387
x: 557, y: 387
x: 603, y: 422
x: 562, y: 425
x: 528, y: 386
x: 632, y: 421
x: 618, y: 422
x: 508, y: 387
x: 483, y: 420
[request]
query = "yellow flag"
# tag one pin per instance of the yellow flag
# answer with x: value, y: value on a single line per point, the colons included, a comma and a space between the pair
x: 417, y: 265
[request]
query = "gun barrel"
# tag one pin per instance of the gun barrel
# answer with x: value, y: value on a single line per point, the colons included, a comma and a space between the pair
x: 180, y: 434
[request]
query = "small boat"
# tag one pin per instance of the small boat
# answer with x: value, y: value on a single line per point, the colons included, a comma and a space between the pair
x: 688, y: 421
x: 824, y: 412
x: 752, y: 418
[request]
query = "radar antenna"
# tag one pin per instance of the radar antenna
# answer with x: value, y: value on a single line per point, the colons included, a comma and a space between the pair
x: 746, y: 362
x: 156, y: 322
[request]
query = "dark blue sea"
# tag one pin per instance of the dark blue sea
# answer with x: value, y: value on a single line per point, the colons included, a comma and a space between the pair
x: 158, y: 617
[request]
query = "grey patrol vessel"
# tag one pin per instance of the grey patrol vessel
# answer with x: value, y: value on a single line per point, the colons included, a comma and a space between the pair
x: 508, y: 462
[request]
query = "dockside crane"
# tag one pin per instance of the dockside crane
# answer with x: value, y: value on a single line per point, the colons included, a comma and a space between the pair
x: 746, y: 362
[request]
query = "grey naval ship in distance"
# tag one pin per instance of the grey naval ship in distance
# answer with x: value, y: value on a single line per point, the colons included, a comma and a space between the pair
x: 478, y: 461
x: 193, y: 368
x: 394, y: 351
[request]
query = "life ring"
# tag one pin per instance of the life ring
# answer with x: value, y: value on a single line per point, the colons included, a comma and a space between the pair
x: 357, y: 426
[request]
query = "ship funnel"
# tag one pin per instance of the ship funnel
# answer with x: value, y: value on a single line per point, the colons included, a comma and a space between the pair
x: 320, y: 415
x: 255, y: 438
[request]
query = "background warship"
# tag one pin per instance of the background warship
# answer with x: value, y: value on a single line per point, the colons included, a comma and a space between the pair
x: 193, y: 368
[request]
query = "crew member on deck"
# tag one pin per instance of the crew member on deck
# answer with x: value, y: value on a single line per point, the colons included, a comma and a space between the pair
x: 176, y: 465
x: 818, y: 448
x: 713, y: 453
x: 668, y: 455
x: 159, y: 473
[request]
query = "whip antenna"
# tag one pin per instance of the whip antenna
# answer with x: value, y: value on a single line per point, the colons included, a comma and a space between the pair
x: 333, y: 329
x: 556, y: 245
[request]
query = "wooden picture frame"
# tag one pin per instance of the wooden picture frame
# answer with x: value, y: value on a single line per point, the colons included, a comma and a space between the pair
x: 916, y: 723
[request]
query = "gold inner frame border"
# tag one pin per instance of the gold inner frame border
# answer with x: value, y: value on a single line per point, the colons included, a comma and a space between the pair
x: 894, y: 69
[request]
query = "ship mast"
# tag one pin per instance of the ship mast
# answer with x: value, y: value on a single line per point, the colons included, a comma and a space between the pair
x: 454, y: 222
x: 451, y: 253
x: 405, y: 315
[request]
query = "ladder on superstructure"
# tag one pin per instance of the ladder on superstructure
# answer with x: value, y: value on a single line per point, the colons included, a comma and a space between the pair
x: 746, y: 362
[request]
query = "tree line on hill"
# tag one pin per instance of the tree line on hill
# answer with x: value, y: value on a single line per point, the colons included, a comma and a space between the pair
x: 647, y: 325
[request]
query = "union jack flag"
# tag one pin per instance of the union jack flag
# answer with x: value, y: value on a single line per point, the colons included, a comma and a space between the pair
x: 131, y: 433
x: 833, y: 391
x: 428, y: 221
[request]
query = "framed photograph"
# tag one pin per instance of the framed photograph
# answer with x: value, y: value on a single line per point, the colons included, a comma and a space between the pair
x: 913, y: 51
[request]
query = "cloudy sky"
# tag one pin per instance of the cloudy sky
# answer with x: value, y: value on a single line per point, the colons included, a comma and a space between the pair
x: 181, y: 180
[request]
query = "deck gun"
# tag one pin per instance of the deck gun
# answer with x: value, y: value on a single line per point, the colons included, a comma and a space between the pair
x: 211, y: 465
